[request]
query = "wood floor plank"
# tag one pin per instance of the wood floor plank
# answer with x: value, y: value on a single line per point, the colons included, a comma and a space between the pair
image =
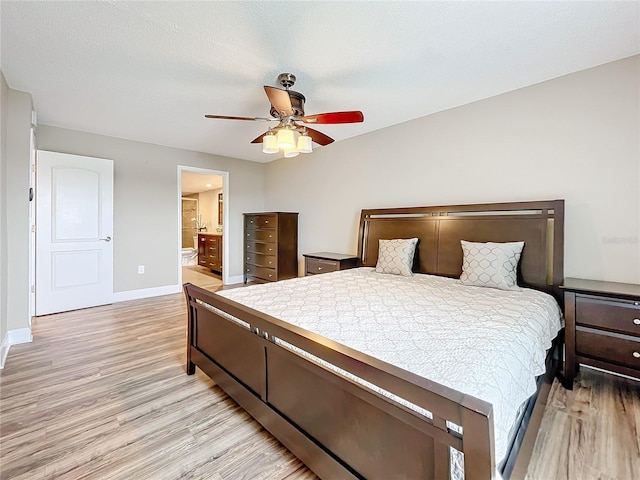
x: 101, y: 393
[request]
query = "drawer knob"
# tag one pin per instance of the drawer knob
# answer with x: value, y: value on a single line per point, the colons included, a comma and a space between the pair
x: 266, y: 221
x: 636, y: 321
x: 319, y: 268
x: 636, y: 354
x: 272, y: 276
x: 271, y: 249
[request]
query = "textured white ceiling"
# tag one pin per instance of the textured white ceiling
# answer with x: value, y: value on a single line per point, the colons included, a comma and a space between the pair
x: 150, y: 71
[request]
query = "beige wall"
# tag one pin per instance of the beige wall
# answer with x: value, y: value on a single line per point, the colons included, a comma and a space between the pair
x: 576, y: 137
x: 146, y: 207
x: 16, y: 158
x: 208, y: 205
x: 4, y: 101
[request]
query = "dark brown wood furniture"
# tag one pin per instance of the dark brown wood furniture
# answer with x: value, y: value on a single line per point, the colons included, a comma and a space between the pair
x: 602, y: 327
x: 323, y: 262
x: 210, y: 251
x: 270, y: 246
x: 338, y: 427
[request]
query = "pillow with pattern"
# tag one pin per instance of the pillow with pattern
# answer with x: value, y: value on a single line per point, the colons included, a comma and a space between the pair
x: 493, y: 265
x: 396, y: 256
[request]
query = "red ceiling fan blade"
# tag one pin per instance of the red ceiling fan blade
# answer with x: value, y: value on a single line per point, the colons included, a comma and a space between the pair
x: 335, y: 117
x: 319, y: 137
x: 227, y: 117
x: 279, y: 99
x: 259, y: 139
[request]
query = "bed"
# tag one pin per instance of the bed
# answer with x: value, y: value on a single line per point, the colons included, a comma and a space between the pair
x: 349, y: 414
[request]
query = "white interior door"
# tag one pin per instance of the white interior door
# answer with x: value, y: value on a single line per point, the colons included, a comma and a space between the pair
x: 74, y: 230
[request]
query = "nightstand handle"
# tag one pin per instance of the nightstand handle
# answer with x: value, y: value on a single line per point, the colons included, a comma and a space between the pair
x: 636, y: 354
x: 636, y: 321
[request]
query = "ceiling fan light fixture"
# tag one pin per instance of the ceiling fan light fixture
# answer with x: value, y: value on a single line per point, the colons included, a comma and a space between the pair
x: 286, y: 139
x: 305, y: 144
x: 270, y: 143
x: 290, y: 153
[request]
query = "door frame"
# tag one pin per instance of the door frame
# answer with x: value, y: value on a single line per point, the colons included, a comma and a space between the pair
x: 225, y: 212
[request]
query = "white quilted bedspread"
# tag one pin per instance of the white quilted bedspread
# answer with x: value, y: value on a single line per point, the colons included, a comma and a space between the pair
x: 481, y: 341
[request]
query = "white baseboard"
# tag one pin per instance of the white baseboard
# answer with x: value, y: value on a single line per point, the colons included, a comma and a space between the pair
x: 146, y: 293
x: 13, y: 337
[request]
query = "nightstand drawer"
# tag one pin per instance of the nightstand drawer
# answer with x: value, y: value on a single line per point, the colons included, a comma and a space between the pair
x: 259, y: 260
x: 314, y: 265
x: 617, y: 315
x: 609, y: 347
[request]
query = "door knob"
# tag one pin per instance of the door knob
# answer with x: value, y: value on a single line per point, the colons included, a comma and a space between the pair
x: 108, y: 239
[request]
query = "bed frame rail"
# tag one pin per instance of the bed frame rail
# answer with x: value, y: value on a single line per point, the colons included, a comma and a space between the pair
x: 335, y: 425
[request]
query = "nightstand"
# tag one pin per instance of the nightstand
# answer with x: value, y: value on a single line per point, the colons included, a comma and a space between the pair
x: 323, y: 262
x: 602, y: 327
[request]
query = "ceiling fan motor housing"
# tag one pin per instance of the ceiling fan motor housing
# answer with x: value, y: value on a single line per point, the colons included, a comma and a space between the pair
x: 297, y: 105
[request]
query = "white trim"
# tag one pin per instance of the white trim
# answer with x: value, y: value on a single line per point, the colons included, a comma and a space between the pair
x: 13, y: 337
x: 226, y: 280
x: 146, y: 293
x: 234, y: 280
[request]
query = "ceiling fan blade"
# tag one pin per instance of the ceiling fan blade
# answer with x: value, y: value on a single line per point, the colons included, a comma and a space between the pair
x: 259, y: 139
x: 319, y: 137
x: 279, y: 99
x: 227, y: 117
x: 335, y: 117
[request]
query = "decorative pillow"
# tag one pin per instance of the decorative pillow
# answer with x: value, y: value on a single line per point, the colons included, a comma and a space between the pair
x: 396, y: 256
x: 491, y: 264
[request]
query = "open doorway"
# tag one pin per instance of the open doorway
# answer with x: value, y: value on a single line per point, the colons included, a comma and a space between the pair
x: 203, y: 201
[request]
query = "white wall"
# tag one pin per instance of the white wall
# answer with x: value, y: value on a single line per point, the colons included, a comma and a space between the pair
x: 146, y: 192
x: 576, y: 137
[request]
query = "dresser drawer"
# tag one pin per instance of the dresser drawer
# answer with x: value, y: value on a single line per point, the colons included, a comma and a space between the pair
x: 609, y: 347
x: 255, y: 247
x: 260, y: 260
x: 264, y: 221
x: 261, y: 272
x: 611, y: 314
x: 315, y: 265
x: 267, y: 236
x: 214, y: 265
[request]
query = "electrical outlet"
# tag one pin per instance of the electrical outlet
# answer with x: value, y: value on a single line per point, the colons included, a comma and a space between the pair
x: 140, y: 269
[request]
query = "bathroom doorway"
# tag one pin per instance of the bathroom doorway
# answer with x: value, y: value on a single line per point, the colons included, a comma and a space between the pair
x: 202, y: 230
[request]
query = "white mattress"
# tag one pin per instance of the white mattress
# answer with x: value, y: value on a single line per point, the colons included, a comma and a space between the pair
x: 481, y: 341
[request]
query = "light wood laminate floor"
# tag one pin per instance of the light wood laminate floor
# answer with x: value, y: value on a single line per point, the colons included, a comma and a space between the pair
x: 101, y: 393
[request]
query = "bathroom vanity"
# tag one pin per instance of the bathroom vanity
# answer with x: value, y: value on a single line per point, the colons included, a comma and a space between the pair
x: 210, y: 251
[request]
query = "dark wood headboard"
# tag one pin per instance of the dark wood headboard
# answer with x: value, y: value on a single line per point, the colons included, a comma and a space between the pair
x: 439, y: 230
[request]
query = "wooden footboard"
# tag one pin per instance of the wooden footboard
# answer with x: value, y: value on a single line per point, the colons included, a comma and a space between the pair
x: 336, y: 426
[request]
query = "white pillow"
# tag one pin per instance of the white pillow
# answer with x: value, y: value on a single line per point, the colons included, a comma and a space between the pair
x: 491, y: 264
x: 396, y: 256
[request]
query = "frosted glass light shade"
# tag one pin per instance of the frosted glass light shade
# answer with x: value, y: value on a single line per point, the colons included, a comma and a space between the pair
x: 270, y: 143
x: 304, y: 144
x: 286, y: 139
x: 290, y: 152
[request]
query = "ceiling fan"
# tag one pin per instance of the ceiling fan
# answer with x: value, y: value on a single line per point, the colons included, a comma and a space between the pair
x: 287, y: 108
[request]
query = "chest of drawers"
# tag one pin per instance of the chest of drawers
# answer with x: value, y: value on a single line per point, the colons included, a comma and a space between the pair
x: 210, y: 251
x: 602, y: 326
x: 270, y: 246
